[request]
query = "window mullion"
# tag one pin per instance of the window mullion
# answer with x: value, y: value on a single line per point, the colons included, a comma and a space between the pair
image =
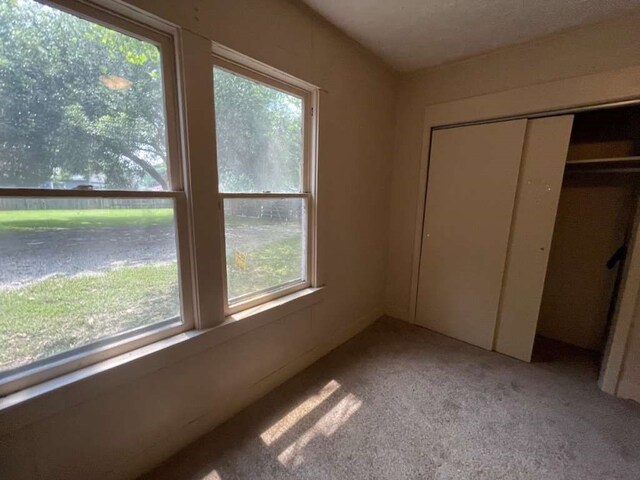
x: 201, y: 180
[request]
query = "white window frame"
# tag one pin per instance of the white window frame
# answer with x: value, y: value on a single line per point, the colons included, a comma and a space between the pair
x: 166, y: 37
x: 243, y: 66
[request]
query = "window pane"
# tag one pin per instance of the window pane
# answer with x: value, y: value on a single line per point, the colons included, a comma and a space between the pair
x: 73, y: 271
x: 265, y: 245
x: 259, y: 133
x: 80, y: 104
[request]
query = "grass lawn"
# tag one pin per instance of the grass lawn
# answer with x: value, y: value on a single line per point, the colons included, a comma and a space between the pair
x: 34, y: 220
x: 60, y: 313
x: 29, y: 220
x: 275, y: 263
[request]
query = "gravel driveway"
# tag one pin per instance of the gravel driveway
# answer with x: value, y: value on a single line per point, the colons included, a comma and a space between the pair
x: 32, y: 255
x: 28, y: 256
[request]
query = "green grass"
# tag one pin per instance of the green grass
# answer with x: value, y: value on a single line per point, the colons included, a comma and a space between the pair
x: 29, y: 220
x: 64, y: 312
x: 274, y: 264
x: 60, y: 313
x: 35, y: 220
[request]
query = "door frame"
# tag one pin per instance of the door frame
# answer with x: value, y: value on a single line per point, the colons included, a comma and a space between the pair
x: 625, y: 311
x: 571, y: 95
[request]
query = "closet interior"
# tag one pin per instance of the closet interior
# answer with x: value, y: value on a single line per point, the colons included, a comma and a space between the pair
x: 593, y: 226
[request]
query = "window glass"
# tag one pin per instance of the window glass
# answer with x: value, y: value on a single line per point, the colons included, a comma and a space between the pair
x: 81, y: 105
x: 265, y: 242
x: 259, y: 135
x: 74, y: 271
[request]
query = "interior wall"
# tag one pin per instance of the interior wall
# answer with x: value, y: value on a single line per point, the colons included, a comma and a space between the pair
x: 607, y: 46
x: 129, y: 422
x: 591, y: 224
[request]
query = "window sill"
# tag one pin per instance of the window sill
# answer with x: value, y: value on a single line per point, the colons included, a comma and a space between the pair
x: 264, y: 312
x: 27, y: 406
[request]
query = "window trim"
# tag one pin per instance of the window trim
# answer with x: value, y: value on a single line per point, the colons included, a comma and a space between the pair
x: 243, y: 66
x: 167, y: 39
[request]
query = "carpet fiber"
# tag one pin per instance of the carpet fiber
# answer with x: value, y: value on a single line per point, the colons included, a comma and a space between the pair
x: 398, y: 401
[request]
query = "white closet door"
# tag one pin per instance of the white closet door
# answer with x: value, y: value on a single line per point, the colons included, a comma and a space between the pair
x: 542, y: 169
x: 473, y: 174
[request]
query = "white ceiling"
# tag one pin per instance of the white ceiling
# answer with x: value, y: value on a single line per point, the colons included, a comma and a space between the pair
x: 412, y: 34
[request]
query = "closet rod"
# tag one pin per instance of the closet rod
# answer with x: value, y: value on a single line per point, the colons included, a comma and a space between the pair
x: 587, y: 161
x: 603, y: 170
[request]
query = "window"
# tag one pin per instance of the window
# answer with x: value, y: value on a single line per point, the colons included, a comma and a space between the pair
x: 92, y: 206
x: 263, y: 137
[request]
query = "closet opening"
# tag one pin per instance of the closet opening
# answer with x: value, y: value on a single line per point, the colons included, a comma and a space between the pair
x: 593, y: 229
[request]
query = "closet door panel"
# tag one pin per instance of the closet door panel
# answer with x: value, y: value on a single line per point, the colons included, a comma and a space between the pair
x: 536, y: 205
x: 473, y: 174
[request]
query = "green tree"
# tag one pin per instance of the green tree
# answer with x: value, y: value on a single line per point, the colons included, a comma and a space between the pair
x: 258, y: 134
x: 77, y: 99
x: 80, y: 99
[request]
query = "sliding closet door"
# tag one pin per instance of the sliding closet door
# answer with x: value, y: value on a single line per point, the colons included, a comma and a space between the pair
x: 473, y: 174
x: 543, y: 162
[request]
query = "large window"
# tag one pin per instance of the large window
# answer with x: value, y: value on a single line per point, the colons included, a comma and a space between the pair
x: 263, y: 141
x: 92, y: 206
x: 101, y: 219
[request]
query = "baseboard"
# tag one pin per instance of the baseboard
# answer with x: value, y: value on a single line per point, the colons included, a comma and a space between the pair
x: 162, y: 449
x: 629, y: 390
x: 290, y: 369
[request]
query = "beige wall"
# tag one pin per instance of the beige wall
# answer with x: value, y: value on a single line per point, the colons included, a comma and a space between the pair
x: 608, y: 46
x: 591, y: 224
x: 129, y: 421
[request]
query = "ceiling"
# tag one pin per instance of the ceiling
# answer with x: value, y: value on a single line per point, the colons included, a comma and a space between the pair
x: 413, y: 34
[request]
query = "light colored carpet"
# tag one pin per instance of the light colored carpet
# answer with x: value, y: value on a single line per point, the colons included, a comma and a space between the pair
x: 398, y: 401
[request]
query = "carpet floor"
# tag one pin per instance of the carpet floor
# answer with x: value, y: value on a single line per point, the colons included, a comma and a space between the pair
x: 399, y: 402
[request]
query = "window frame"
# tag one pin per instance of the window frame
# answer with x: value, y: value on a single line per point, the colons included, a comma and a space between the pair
x: 246, y: 67
x: 167, y: 39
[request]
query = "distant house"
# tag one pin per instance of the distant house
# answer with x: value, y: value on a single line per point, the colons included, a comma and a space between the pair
x: 74, y: 183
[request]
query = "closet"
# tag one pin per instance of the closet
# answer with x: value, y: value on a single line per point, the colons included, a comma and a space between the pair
x: 521, y: 218
x: 592, y: 231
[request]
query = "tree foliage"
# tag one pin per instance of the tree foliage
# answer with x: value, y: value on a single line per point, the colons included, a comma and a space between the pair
x: 59, y: 115
x: 80, y: 100
x: 259, y: 136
